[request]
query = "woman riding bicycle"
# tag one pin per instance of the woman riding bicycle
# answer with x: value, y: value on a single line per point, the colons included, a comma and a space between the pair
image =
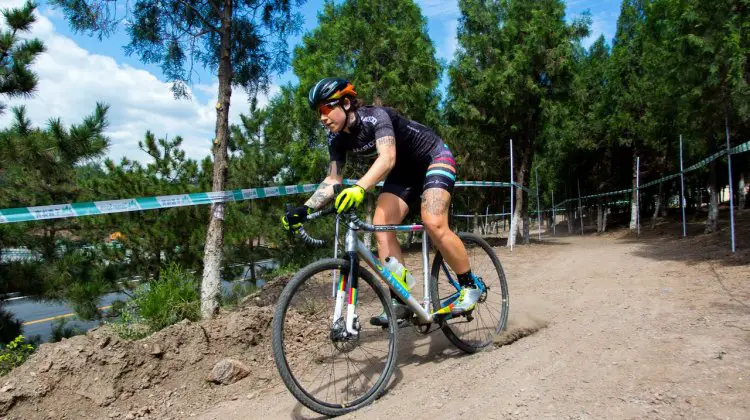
x: 411, y: 159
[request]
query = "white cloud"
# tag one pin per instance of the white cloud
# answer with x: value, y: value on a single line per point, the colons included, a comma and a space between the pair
x: 439, y: 8
x: 72, y: 80
x: 604, y: 23
x: 449, y: 41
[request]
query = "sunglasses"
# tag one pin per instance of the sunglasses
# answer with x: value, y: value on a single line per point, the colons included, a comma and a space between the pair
x: 326, y: 109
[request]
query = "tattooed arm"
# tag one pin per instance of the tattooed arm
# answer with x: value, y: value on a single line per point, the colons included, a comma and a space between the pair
x: 324, y: 194
x: 386, y: 147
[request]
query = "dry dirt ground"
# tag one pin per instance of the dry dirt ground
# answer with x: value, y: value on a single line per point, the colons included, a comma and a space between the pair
x: 607, y: 326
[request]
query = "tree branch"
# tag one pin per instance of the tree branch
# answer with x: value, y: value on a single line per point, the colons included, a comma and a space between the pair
x: 200, y: 16
x: 214, y: 6
x: 5, y: 52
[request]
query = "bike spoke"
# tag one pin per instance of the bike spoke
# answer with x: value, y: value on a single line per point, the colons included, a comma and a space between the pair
x: 325, y: 362
x: 488, y: 317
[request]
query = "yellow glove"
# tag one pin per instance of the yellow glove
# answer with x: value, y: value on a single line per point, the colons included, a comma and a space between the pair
x: 294, y: 217
x: 349, y: 197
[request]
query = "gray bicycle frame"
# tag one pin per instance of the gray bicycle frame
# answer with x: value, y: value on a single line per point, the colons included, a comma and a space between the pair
x: 353, y: 245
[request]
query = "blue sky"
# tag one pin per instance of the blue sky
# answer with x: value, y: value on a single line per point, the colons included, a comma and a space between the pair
x: 79, y: 70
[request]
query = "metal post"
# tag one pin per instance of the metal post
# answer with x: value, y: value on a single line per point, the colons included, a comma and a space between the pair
x: 580, y: 206
x: 503, y: 217
x: 538, y: 209
x: 731, y: 187
x: 682, y: 192
x: 512, y: 188
x: 554, y: 221
x: 486, y: 217
x: 638, y: 194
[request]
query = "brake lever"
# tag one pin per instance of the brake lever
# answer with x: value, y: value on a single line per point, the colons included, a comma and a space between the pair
x: 291, y: 231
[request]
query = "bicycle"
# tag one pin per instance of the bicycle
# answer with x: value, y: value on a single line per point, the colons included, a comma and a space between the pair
x: 312, y: 307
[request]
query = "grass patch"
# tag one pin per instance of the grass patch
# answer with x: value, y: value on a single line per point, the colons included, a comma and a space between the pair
x: 159, y: 304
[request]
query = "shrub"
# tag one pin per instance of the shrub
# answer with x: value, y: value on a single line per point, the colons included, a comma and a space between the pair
x: 60, y: 330
x: 129, y: 325
x: 172, y: 298
x: 10, y: 327
x: 239, y: 291
x: 14, y: 354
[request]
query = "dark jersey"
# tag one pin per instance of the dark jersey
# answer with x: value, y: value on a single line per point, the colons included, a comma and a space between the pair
x: 416, y: 144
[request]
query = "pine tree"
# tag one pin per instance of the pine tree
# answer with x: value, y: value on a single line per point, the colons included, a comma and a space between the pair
x: 41, y: 166
x: 242, y: 41
x: 16, y: 54
x: 514, y: 65
x: 382, y: 46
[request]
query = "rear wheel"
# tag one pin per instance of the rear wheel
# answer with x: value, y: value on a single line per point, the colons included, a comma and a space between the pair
x: 324, y: 369
x: 477, y: 329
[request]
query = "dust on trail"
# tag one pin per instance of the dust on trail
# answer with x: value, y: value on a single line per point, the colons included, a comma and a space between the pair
x: 520, y: 326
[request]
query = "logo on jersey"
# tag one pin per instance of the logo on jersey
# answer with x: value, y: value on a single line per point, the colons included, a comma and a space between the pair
x: 370, y: 119
x: 364, y: 148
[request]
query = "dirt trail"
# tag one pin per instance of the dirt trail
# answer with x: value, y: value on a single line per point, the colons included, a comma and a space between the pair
x: 621, y: 329
x: 600, y: 327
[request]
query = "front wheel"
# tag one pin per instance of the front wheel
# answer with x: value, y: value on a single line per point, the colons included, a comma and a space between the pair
x: 476, y: 330
x: 326, y: 369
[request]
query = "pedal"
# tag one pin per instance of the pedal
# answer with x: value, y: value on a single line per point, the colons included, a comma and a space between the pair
x: 439, y: 318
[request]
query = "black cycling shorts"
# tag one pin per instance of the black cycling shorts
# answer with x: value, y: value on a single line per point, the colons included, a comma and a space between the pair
x: 408, y: 181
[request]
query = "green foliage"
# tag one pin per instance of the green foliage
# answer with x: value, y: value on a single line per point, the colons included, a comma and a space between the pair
x: 60, y: 330
x: 14, y: 354
x: 172, y: 298
x: 178, y: 35
x: 510, y: 79
x: 384, y: 49
x: 41, y: 167
x: 382, y: 46
x: 158, y: 304
x: 10, y: 327
x: 239, y: 291
x: 146, y: 241
x: 128, y: 324
x: 242, y: 42
x: 17, y: 54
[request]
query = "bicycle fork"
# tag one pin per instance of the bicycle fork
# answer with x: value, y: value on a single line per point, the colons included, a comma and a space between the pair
x: 348, y: 283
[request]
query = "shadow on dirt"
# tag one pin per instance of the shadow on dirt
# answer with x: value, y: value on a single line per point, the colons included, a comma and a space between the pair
x: 665, y: 241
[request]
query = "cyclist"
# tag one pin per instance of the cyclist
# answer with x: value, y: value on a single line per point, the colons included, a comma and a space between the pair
x: 410, y: 158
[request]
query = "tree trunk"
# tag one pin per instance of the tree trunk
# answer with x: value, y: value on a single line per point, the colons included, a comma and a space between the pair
x: 599, y: 217
x: 657, y: 207
x: 215, y: 233
x: 571, y: 218
x: 252, y: 260
x: 526, y: 223
x: 604, y: 219
x: 634, y: 204
x: 475, y: 227
x: 712, y: 221
x: 521, y: 207
x: 742, y: 192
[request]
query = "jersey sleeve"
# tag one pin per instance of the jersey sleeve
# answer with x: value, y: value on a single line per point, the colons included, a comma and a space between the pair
x: 383, y: 124
x: 336, y: 151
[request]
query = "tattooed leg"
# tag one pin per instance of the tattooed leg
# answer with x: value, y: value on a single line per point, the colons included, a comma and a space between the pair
x: 435, y: 204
